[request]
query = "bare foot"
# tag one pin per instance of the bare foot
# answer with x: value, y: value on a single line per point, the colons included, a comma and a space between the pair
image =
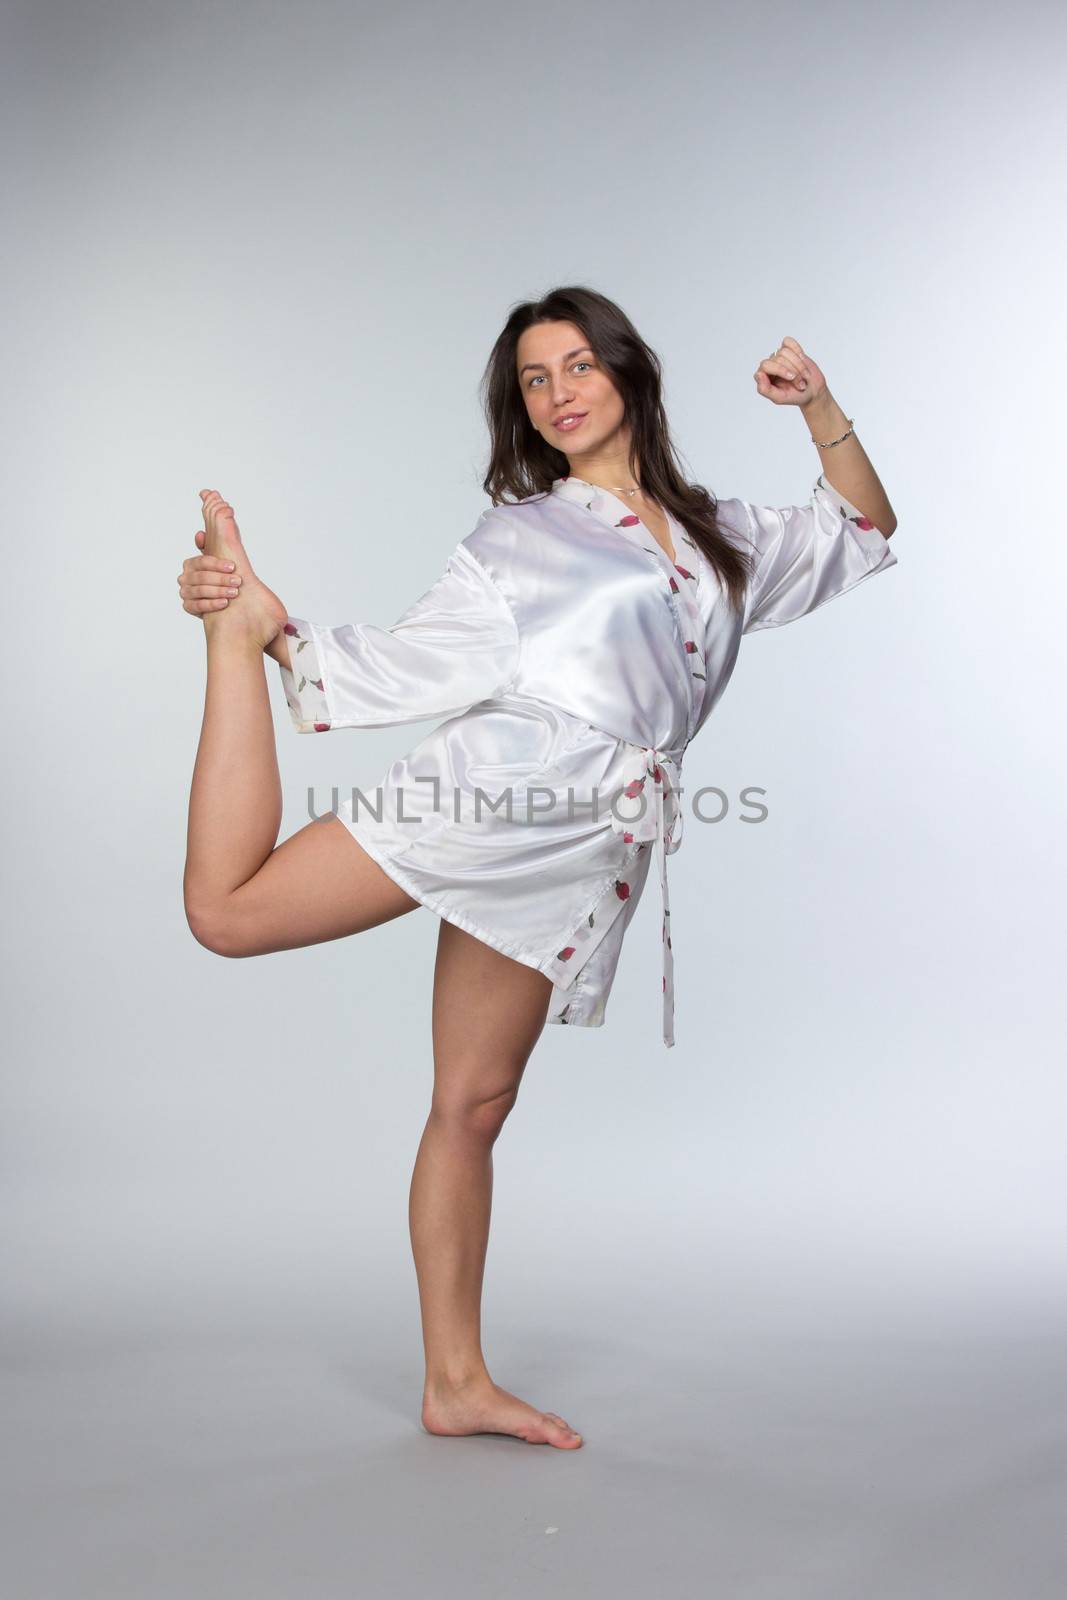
x: 257, y: 607
x: 483, y: 1407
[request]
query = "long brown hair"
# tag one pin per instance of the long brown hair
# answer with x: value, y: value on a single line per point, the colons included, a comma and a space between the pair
x: 523, y: 463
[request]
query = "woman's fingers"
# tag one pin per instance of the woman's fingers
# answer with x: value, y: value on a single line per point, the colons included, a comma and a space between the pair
x: 207, y: 564
x: 208, y: 586
x: 209, y: 591
x: 785, y: 366
x: 776, y: 372
x: 209, y: 569
x: 197, y: 606
x: 791, y: 357
x: 206, y: 583
x: 789, y: 377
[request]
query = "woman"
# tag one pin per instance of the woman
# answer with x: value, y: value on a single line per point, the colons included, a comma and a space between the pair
x: 576, y: 642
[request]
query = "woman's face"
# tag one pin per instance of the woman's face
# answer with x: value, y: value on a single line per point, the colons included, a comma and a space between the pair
x: 560, y: 376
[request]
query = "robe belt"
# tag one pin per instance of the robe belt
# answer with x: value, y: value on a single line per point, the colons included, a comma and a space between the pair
x: 635, y: 817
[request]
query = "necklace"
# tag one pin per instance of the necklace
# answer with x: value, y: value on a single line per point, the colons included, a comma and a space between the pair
x: 615, y: 488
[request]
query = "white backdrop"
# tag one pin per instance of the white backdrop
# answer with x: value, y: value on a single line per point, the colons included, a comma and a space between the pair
x: 267, y: 249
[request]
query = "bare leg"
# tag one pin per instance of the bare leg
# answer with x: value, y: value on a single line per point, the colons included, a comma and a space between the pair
x: 488, y: 1013
x: 243, y: 896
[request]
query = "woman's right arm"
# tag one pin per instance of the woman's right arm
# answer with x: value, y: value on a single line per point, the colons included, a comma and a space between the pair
x: 457, y: 645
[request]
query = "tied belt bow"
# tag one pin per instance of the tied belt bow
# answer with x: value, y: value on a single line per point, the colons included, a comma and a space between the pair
x: 649, y: 807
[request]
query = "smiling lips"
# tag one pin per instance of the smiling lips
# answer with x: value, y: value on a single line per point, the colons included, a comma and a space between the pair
x: 572, y: 420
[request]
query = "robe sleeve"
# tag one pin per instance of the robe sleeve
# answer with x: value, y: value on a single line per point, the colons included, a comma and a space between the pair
x: 458, y: 644
x: 807, y: 554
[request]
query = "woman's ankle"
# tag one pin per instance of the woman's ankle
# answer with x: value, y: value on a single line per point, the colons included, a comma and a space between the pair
x: 454, y: 1376
x: 230, y: 633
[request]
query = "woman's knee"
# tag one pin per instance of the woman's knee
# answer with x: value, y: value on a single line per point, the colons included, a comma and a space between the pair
x: 473, y: 1113
x: 212, y: 927
x: 222, y: 924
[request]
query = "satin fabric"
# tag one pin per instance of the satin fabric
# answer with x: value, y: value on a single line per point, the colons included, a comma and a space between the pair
x: 574, y: 662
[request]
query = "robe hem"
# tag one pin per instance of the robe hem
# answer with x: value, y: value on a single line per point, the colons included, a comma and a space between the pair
x: 568, y: 982
x: 433, y: 902
x: 429, y: 899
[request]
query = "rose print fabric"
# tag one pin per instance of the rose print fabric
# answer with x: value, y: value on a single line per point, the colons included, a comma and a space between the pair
x: 574, y: 661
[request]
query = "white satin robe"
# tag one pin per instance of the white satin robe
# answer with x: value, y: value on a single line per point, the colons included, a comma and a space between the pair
x: 568, y: 653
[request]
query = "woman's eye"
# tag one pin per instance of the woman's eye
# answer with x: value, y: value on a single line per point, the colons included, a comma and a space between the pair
x: 534, y: 379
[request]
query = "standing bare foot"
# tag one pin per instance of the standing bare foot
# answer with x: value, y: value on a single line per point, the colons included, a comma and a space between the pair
x: 257, y: 608
x: 481, y: 1406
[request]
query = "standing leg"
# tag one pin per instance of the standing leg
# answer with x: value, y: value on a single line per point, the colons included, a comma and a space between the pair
x: 488, y: 1013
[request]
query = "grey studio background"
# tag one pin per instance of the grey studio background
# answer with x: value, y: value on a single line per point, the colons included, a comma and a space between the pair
x: 800, y: 1281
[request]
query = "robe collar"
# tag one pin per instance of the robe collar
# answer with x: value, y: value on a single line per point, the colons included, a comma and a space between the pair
x: 613, y: 510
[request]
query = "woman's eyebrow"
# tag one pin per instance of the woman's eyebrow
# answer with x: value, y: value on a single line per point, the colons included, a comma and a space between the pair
x: 567, y: 357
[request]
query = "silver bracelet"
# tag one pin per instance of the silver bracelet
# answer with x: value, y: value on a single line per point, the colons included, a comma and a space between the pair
x: 836, y: 441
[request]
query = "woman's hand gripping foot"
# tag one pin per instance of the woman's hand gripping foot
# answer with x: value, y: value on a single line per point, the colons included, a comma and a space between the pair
x: 207, y: 590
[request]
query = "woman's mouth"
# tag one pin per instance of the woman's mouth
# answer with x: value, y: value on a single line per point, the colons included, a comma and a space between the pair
x: 568, y: 423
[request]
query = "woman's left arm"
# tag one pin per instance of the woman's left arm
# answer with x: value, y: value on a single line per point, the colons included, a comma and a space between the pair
x: 846, y: 466
x: 791, y: 378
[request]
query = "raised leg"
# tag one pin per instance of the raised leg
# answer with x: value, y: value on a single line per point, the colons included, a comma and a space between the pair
x: 244, y: 894
x: 488, y: 1013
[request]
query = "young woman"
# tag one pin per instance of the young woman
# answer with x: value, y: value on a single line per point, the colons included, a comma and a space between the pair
x: 576, y: 642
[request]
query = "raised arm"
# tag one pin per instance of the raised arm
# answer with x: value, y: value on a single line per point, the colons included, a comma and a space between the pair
x: 791, y: 378
x: 806, y: 554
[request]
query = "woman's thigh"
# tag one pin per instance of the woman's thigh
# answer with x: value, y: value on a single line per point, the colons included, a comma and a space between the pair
x: 488, y: 1013
x: 318, y: 884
